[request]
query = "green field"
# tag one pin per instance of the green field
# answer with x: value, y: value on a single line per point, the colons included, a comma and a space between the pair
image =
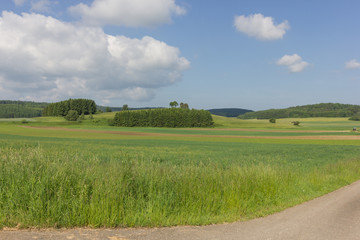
x: 59, y: 174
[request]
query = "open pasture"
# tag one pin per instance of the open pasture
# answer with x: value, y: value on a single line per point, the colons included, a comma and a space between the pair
x: 56, y: 174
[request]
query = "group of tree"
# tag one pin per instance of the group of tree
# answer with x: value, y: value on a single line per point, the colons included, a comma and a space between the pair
x: 20, y: 109
x: 81, y: 106
x: 174, y: 104
x: 314, y: 110
x: 165, y: 117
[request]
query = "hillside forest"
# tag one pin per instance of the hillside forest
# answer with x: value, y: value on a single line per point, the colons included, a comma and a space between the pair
x: 306, y: 111
x: 21, y: 109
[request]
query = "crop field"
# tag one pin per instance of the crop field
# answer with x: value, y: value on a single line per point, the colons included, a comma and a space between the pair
x: 59, y: 174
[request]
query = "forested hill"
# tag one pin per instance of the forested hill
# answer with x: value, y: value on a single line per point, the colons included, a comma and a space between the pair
x: 314, y: 110
x: 229, y: 112
x: 20, y: 109
x: 118, y: 109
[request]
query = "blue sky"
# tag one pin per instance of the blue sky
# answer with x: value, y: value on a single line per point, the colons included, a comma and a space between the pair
x: 208, y: 53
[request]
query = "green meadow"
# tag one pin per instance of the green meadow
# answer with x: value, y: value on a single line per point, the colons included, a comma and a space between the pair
x: 59, y: 174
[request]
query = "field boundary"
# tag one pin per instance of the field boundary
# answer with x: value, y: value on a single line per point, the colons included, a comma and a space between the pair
x: 129, y: 133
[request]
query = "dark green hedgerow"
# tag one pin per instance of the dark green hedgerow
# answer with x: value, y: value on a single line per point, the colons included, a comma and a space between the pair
x: 170, y: 117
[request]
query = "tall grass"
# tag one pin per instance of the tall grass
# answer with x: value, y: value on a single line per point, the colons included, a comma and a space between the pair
x: 64, y: 187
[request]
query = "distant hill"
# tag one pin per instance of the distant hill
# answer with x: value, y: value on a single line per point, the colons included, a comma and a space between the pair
x: 20, y: 109
x: 117, y: 109
x: 314, y: 110
x: 229, y: 112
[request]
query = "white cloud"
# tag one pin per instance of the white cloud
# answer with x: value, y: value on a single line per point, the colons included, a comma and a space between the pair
x: 45, y: 59
x: 19, y: 2
x: 130, y: 13
x: 289, y: 59
x: 41, y: 6
x: 293, y: 62
x: 260, y: 27
x: 353, y: 64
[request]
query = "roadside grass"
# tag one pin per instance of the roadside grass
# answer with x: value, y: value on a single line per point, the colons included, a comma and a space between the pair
x: 131, y: 181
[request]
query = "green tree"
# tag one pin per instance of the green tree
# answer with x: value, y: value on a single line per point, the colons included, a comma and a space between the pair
x: 184, y: 106
x: 272, y: 120
x: 108, y: 109
x: 72, y: 115
x: 173, y: 104
x: 125, y: 107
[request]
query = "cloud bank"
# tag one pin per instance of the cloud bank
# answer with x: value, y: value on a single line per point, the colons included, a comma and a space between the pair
x: 352, y: 64
x: 293, y: 62
x: 43, y: 58
x: 130, y: 13
x: 260, y: 27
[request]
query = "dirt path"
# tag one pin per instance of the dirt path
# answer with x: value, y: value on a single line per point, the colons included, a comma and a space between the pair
x: 333, y: 216
x: 128, y: 133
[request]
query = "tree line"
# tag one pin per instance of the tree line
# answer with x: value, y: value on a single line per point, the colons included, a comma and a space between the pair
x: 81, y: 106
x: 313, y: 110
x: 166, y: 117
x: 20, y: 109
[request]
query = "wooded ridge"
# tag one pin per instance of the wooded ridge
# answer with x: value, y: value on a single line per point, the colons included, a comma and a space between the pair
x: 313, y: 110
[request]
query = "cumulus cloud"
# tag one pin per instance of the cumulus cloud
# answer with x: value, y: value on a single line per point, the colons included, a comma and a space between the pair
x: 43, y: 58
x: 130, y: 13
x: 260, y: 27
x: 293, y: 62
x: 353, y: 64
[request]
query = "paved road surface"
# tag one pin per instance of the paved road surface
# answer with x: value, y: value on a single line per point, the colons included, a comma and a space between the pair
x: 333, y: 216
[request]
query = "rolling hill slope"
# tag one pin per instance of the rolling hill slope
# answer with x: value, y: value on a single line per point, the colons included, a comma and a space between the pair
x: 313, y: 110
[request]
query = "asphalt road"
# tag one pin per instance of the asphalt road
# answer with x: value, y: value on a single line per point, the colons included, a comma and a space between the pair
x: 333, y: 216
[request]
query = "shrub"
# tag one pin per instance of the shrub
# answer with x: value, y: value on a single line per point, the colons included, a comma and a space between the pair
x: 296, y: 123
x: 272, y: 120
x: 355, y: 118
x: 72, y: 115
x: 82, y: 117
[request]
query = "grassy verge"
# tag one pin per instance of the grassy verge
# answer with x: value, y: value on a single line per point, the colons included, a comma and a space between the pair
x: 66, y: 182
